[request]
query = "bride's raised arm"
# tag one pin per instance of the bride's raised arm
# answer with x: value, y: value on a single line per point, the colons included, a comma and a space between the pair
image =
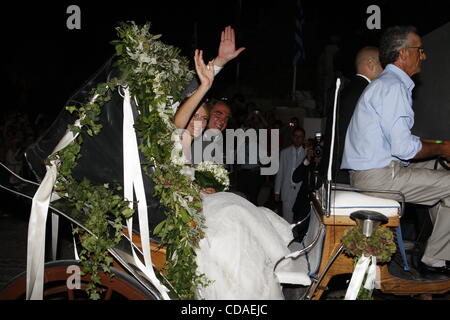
x: 206, y: 76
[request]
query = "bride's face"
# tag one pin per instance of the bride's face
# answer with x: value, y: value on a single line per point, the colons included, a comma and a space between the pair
x: 198, y: 121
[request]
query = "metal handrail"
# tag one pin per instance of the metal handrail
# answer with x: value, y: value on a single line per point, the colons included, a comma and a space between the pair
x: 308, y: 248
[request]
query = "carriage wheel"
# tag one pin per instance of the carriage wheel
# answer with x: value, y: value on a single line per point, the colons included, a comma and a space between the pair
x: 120, y: 287
x: 444, y: 162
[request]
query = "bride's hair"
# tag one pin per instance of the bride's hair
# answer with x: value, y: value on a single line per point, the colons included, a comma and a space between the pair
x: 206, y: 104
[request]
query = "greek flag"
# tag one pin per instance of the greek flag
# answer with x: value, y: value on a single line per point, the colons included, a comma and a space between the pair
x: 299, y: 21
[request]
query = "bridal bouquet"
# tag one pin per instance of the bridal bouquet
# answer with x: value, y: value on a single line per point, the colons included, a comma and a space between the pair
x: 212, y: 175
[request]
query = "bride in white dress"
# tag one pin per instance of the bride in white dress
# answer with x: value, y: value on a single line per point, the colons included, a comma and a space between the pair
x: 242, y: 242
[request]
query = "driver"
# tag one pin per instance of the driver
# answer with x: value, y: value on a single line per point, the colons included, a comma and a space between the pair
x: 382, y: 153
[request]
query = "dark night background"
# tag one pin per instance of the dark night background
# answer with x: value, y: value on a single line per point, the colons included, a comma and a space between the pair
x: 43, y: 62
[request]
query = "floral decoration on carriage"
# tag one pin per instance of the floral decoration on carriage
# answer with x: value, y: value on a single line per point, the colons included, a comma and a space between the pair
x: 154, y: 75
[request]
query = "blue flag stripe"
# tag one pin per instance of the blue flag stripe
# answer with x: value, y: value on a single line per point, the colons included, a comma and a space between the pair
x: 299, y: 21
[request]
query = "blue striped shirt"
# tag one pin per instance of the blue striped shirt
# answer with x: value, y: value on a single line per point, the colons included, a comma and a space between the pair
x: 380, y: 129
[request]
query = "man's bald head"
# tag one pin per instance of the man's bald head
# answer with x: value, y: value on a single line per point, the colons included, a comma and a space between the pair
x: 367, y: 62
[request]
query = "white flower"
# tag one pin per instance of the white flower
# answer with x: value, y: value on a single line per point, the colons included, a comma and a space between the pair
x: 188, y: 171
x: 217, y: 170
x: 176, y: 65
x: 183, y: 202
x: 140, y: 46
x: 178, y: 160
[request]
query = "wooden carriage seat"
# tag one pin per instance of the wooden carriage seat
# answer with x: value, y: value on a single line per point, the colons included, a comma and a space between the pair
x: 343, y: 203
x: 158, y: 253
x: 336, y: 225
x: 299, y: 269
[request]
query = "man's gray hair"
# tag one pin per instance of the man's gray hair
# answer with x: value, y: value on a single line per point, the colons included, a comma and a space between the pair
x: 392, y: 40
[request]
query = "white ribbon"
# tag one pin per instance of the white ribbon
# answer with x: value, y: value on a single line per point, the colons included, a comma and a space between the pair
x: 43, y: 196
x: 363, y: 266
x: 37, y: 224
x: 371, y: 274
x: 55, y: 230
x: 132, y: 176
x: 75, y: 250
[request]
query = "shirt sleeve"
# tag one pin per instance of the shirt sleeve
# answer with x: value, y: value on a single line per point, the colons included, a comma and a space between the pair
x: 217, y: 70
x: 404, y: 145
x: 397, y: 120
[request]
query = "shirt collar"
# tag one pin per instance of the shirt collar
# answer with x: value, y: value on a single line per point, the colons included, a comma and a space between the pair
x: 407, y: 81
x: 363, y: 76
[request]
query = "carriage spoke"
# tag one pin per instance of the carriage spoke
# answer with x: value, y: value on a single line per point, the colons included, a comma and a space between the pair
x: 108, y: 293
x: 70, y: 294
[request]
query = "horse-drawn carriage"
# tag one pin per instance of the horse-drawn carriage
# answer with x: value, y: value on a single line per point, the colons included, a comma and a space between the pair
x: 318, y: 258
x: 139, y: 261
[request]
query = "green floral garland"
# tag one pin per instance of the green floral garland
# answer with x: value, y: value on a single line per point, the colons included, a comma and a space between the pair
x: 156, y: 75
x: 100, y: 203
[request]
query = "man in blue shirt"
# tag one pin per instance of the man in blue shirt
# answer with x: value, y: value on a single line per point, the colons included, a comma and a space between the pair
x: 379, y: 143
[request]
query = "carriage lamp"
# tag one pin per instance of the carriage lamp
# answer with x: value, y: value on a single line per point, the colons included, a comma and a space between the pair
x: 368, y: 221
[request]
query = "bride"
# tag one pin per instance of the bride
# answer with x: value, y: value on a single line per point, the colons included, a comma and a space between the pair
x: 242, y: 242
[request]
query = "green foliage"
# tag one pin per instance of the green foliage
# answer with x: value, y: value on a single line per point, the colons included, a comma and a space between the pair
x: 100, y: 203
x: 156, y: 75
x: 380, y: 244
x: 207, y: 180
x: 364, y: 294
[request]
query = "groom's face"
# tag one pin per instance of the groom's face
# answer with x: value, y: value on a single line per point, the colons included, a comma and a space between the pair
x: 219, y: 116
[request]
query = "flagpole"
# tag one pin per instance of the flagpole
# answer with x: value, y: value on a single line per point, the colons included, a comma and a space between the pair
x: 299, y: 52
x: 238, y: 25
x: 294, y: 81
x: 195, y: 36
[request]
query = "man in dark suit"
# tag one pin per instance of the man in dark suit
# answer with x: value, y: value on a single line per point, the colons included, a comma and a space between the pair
x: 368, y: 67
x: 306, y: 173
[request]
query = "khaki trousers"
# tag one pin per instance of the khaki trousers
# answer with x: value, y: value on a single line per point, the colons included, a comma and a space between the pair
x: 421, y: 185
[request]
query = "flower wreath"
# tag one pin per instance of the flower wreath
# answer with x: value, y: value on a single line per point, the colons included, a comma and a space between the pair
x: 380, y: 244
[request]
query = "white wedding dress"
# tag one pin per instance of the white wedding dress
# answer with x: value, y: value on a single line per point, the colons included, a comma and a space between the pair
x: 242, y: 243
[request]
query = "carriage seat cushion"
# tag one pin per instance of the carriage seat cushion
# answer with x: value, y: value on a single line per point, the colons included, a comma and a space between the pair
x: 293, y: 277
x: 343, y: 203
x: 294, y: 271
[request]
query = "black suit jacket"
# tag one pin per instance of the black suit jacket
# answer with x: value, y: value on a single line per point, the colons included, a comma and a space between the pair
x: 302, y: 205
x: 347, y: 102
x: 306, y: 175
